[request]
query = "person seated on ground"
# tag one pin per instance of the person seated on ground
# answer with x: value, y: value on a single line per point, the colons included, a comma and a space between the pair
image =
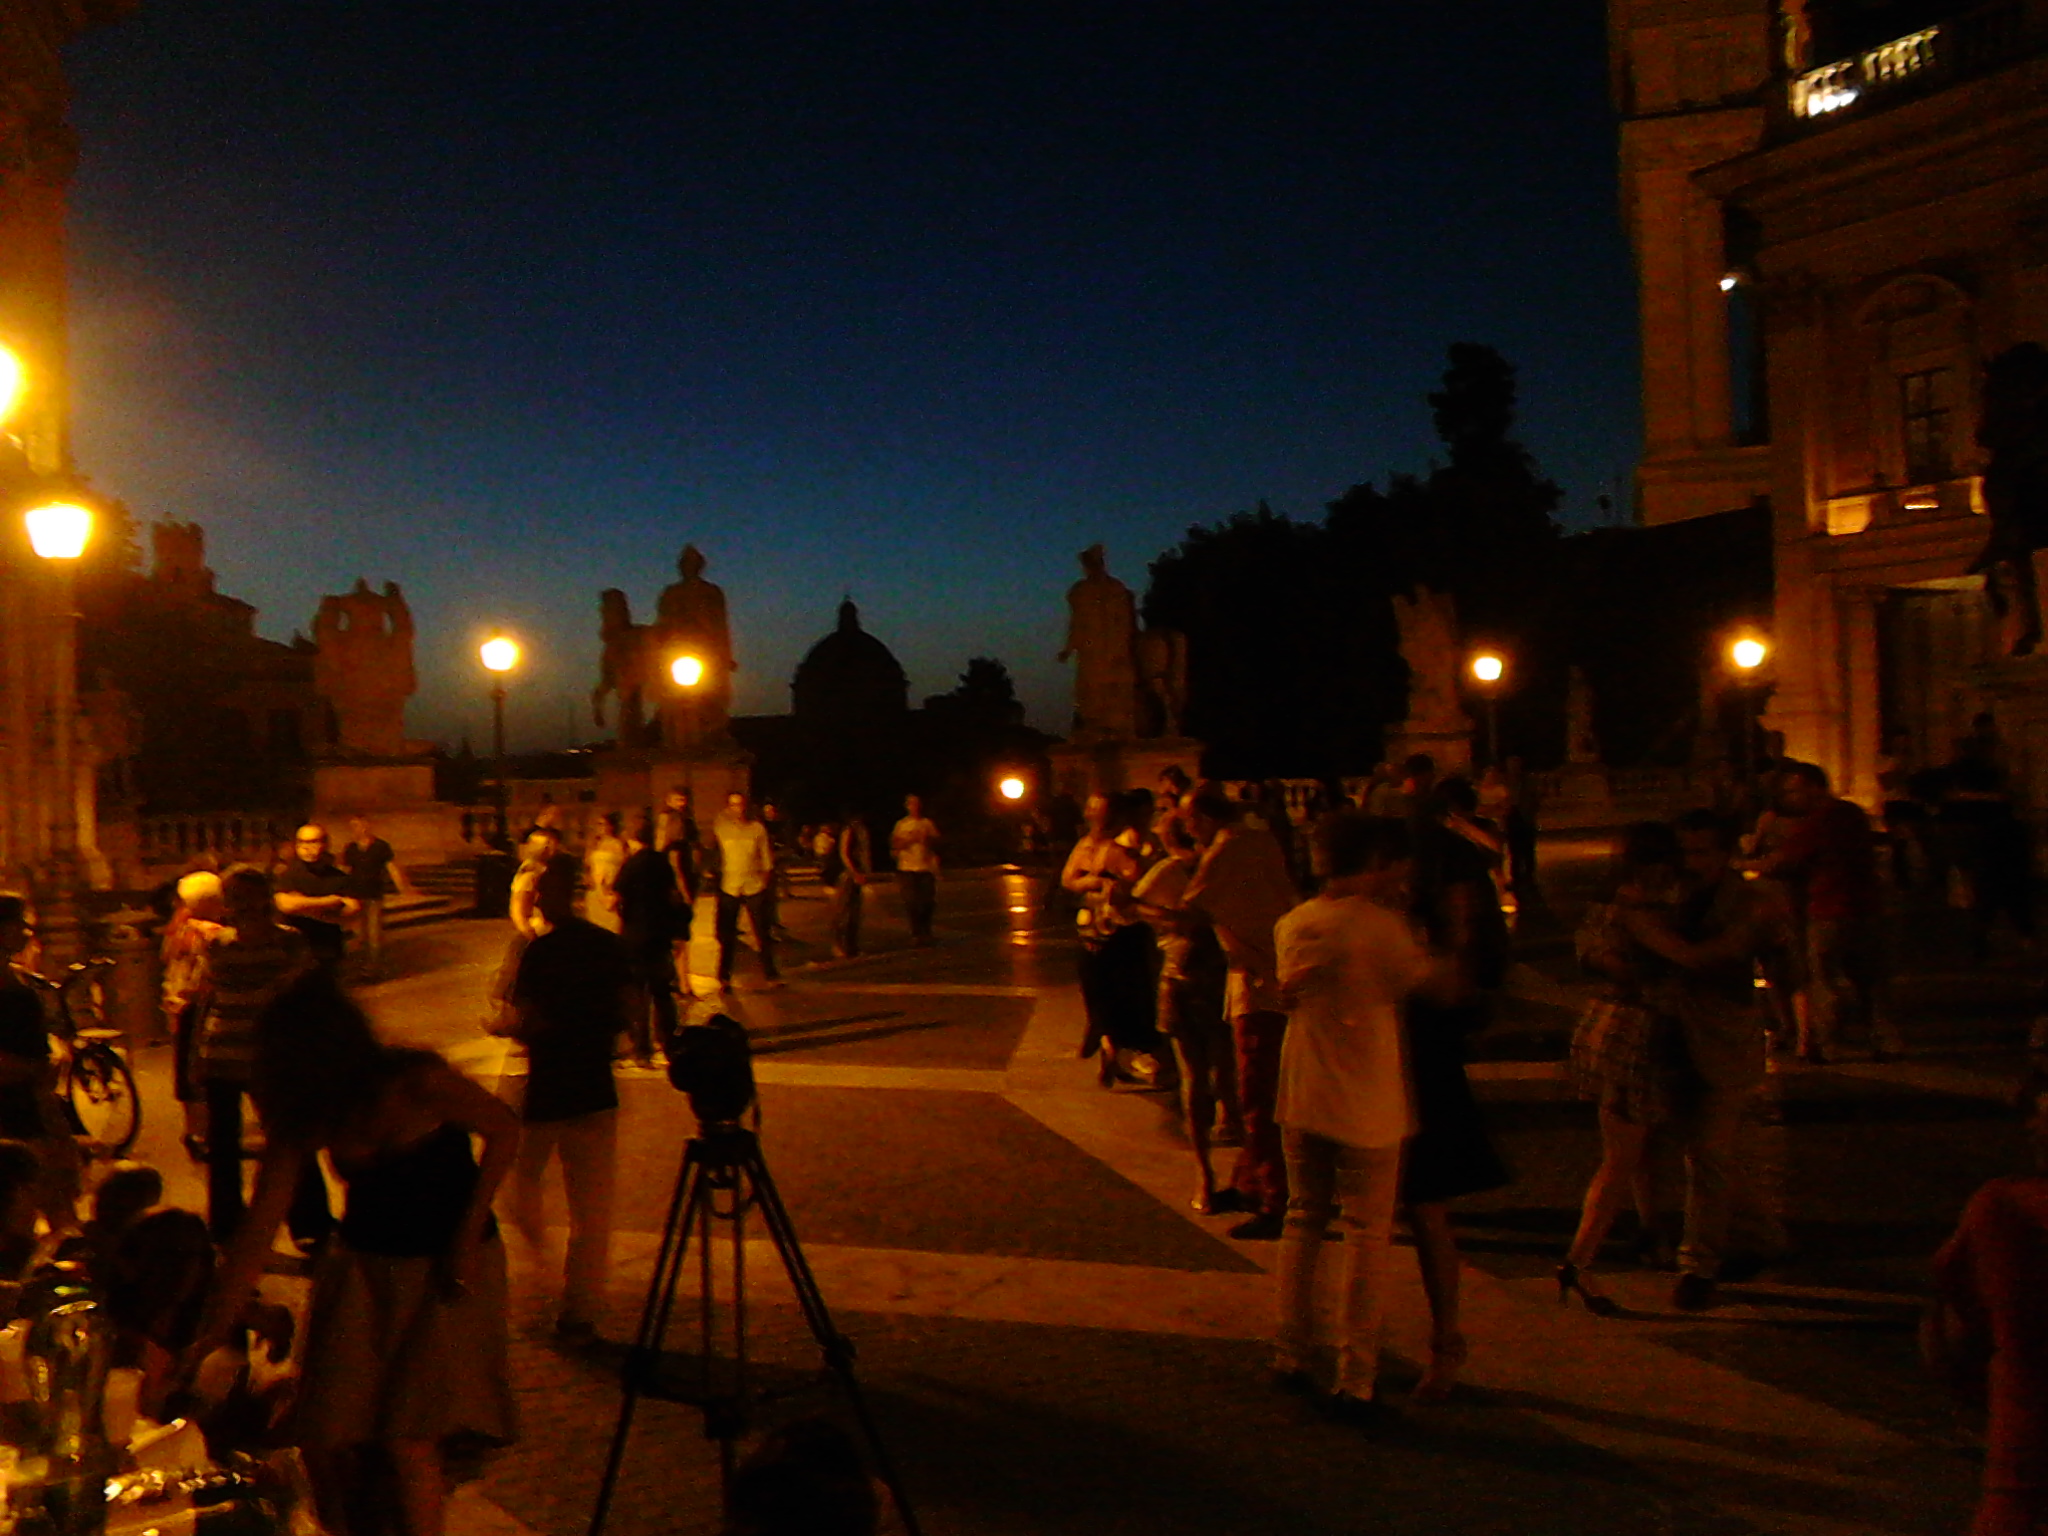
x: 21, y: 1173
x: 805, y: 1480
x: 125, y: 1191
x: 1987, y: 1331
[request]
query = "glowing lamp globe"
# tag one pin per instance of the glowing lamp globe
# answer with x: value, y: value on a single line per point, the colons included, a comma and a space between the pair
x: 1011, y: 788
x: 60, y: 530
x: 499, y: 654
x: 688, y: 671
x: 1748, y: 653
x: 13, y: 383
x: 1488, y: 668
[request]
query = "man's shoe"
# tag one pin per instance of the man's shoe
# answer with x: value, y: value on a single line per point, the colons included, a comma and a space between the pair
x: 1262, y: 1228
x: 1228, y: 1202
x: 1693, y: 1293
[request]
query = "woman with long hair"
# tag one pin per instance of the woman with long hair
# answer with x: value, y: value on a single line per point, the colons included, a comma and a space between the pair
x: 406, y: 1339
x: 1116, y: 948
x: 1451, y: 1154
x: 1623, y: 1052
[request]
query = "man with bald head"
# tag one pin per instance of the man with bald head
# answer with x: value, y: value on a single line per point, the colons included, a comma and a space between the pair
x: 314, y: 894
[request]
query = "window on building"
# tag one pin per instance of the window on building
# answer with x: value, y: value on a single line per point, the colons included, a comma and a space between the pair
x: 1924, y: 408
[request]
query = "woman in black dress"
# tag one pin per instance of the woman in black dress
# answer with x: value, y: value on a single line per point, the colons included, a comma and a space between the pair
x: 1451, y: 1153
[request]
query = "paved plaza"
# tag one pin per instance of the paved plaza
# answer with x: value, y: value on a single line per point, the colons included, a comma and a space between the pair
x: 1053, y: 1341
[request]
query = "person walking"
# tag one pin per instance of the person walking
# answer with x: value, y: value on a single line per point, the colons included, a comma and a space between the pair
x: 569, y: 1005
x: 374, y: 872
x: 602, y: 862
x: 248, y: 963
x: 195, y: 919
x: 853, y: 861
x: 1193, y: 975
x: 1623, y: 1052
x: 406, y: 1348
x: 316, y: 895
x: 746, y: 866
x: 1712, y: 946
x: 1242, y: 886
x: 914, y: 841
x: 1348, y: 959
x: 652, y: 917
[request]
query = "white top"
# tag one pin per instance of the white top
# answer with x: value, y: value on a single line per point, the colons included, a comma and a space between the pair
x: 744, y: 856
x: 1343, y: 1073
x: 912, y: 839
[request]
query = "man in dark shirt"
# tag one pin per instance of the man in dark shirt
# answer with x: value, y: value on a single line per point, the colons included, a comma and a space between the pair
x: 652, y: 917
x: 569, y: 1000
x: 29, y: 1112
x: 372, y: 869
x: 315, y: 895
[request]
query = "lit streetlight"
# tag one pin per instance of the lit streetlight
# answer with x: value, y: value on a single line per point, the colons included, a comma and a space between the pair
x: 499, y: 654
x: 686, y: 671
x: 1488, y: 669
x: 58, y: 532
x: 13, y: 383
x: 1011, y: 788
x: 1747, y: 654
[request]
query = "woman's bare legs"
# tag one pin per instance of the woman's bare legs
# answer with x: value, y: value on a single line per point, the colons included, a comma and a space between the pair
x: 1436, y: 1253
x: 1624, y: 1173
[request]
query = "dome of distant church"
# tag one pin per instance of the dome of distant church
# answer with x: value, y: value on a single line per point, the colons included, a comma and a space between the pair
x: 849, y: 675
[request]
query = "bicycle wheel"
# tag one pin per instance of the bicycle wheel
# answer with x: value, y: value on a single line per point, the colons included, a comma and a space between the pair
x: 103, y: 1097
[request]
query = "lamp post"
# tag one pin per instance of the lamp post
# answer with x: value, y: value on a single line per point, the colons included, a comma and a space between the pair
x: 1488, y: 668
x: 58, y: 532
x: 499, y: 654
x: 1747, y: 654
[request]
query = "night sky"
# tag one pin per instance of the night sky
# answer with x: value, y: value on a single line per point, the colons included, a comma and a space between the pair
x: 507, y: 300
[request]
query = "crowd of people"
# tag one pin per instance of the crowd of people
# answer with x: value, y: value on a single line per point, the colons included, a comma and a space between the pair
x: 1307, y: 989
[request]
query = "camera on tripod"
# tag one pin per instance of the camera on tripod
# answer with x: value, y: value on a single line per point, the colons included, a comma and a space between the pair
x: 712, y: 1064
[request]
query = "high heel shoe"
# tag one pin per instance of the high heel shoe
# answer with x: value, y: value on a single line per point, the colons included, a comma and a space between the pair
x: 1568, y: 1281
x: 1446, y: 1356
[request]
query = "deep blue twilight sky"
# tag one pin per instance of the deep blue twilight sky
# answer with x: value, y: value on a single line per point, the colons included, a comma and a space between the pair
x: 508, y: 299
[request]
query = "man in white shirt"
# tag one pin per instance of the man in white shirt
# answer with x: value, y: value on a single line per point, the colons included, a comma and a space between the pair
x: 1347, y: 960
x: 915, y: 842
x: 746, y: 864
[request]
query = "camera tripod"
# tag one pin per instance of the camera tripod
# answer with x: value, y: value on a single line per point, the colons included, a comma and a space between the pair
x: 726, y: 1157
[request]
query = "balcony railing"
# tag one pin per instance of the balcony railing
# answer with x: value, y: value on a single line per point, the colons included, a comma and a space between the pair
x: 1965, y: 44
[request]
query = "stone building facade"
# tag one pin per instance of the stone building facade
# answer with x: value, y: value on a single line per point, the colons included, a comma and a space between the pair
x: 1840, y: 212
x: 37, y: 153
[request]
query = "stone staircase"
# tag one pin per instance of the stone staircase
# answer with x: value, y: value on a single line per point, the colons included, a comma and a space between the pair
x: 444, y: 891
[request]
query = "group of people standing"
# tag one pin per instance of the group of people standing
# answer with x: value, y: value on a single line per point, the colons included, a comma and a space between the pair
x: 1324, y: 1036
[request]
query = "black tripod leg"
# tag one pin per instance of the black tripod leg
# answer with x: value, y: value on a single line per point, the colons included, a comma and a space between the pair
x: 836, y: 1347
x: 683, y: 1213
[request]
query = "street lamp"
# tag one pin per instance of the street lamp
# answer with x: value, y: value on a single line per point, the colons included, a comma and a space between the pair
x: 1488, y: 668
x: 1747, y: 654
x: 58, y: 532
x: 686, y: 671
x: 13, y: 383
x: 1011, y: 788
x: 499, y: 654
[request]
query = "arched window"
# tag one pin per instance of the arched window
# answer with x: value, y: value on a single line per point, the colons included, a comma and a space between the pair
x: 1922, y: 379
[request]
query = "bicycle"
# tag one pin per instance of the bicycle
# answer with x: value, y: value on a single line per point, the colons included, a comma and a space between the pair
x: 92, y: 1079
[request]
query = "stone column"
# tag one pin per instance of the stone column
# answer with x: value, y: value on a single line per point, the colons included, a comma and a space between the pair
x: 1862, y: 735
